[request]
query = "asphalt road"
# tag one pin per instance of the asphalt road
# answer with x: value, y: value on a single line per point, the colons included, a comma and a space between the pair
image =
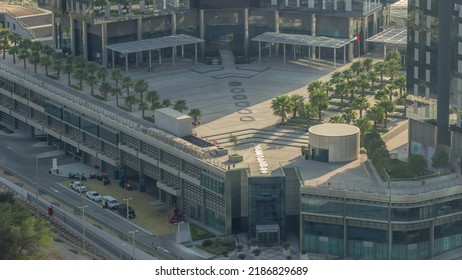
x: 18, y: 154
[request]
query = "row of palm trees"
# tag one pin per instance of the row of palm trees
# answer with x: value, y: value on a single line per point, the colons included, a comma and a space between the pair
x: 95, y: 76
x: 362, y: 80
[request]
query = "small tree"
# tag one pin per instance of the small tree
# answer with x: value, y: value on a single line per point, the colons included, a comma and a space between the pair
x: 417, y: 165
x: 233, y: 139
x: 241, y: 256
x: 440, y: 159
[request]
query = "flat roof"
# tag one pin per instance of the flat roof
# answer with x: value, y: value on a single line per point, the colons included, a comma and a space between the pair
x: 302, y: 40
x: 334, y: 129
x: 154, y: 43
x: 391, y: 36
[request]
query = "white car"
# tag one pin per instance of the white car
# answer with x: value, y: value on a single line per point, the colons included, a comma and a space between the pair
x: 95, y: 196
x: 78, y: 186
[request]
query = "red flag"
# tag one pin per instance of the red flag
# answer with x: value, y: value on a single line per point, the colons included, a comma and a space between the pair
x: 358, y: 37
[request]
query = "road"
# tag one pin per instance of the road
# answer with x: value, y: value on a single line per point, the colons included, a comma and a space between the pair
x: 18, y: 154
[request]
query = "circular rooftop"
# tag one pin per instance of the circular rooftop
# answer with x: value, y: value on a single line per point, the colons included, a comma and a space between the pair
x: 334, y: 129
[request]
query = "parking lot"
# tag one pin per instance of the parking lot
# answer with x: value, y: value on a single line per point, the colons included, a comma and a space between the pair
x: 151, y: 214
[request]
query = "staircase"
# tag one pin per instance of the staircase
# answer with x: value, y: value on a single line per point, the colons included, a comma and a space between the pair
x: 227, y: 57
x: 276, y: 136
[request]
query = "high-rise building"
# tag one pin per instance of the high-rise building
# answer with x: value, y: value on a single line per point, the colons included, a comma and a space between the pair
x: 435, y: 78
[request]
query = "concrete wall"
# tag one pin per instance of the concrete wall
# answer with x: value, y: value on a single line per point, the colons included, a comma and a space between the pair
x: 341, y: 148
x: 173, y: 122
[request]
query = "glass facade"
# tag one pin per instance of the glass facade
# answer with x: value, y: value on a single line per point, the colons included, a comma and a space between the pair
x: 343, y: 237
x: 266, y: 203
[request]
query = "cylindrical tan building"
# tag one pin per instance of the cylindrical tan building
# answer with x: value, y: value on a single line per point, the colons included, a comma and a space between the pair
x: 334, y: 142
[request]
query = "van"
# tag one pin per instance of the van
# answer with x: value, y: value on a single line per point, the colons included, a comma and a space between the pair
x: 110, y: 202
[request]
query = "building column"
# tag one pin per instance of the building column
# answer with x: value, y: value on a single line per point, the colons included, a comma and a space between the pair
x: 432, y: 240
x: 139, y: 37
x: 173, y: 25
x: 365, y: 34
x: 351, y: 45
x: 374, y: 24
x: 276, y: 29
x: 85, y: 40
x: 72, y: 28
x: 313, y: 33
x: 104, y: 44
x: 202, y: 31
x: 246, y: 33
x: 53, y: 30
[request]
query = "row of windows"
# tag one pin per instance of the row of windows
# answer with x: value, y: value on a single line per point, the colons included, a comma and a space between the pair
x: 213, y: 184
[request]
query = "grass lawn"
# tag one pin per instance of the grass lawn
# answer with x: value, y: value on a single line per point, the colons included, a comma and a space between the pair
x: 220, y: 245
x: 198, y: 233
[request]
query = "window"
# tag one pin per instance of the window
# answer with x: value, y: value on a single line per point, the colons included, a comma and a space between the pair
x: 416, y: 74
x: 427, y: 57
x: 460, y: 29
x: 428, y: 39
x: 417, y: 19
x: 416, y: 54
x: 460, y: 47
x: 417, y: 4
x: 427, y: 75
x: 459, y: 66
x: 429, y: 21
x: 429, y: 5
x: 416, y: 36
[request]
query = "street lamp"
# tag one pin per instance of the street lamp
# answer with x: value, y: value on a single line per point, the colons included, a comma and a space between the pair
x: 127, y: 200
x: 132, y: 232
x: 83, y: 223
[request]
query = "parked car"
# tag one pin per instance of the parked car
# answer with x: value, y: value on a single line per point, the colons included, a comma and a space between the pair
x: 264, y: 196
x: 78, y: 186
x: 123, y: 211
x: 95, y: 196
x: 110, y: 202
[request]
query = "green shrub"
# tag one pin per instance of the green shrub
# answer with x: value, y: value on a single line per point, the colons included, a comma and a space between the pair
x: 207, y: 243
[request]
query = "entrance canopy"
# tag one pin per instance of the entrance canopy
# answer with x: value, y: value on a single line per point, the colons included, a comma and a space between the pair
x: 395, y: 36
x: 172, y: 41
x: 302, y: 40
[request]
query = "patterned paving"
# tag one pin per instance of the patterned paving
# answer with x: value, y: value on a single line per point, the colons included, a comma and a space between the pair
x: 151, y: 214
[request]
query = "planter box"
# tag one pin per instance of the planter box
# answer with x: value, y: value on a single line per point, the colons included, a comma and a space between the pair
x: 286, y: 252
x: 235, y: 158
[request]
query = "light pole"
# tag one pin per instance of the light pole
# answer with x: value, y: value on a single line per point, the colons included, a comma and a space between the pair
x: 390, y: 234
x: 83, y: 223
x: 127, y: 200
x: 132, y: 232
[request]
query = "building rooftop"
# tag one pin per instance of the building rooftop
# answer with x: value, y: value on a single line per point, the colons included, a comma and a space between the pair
x: 334, y: 129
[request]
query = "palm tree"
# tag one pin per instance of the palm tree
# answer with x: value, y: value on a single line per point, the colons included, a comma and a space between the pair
x: 347, y: 74
x: 314, y: 86
x: 46, y: 61
x: 352, y: 87
x: 357, y: 67
x: 328, y: 87
x: 349, y: 115
x: 390, y: 91
x: 69, y: 68
x: 400, y: 83
x: 34, y: 57
x: 130, y: 100
x: 116, y: 76
x: 16, y: 39
x: 141, y: 86
x: 381, y: 70
x: 372, y: 77
x: 360, y: 104
x: 393, y: 67
x: 180, y: 105
x: 91, y: 81
x: 4, y: 40
x: 402, y: 100
x: 363, y: 83
x: 320, y: 101
x: 341, y: 90
x: 102, y: 73
x: 388, y: 107
x: 376, y: 115
x: 281, y: 106
x: 153, y: 98
x: 23, y: 53
x: 92, y: 67
x: 367, y: 63
x: 58, y: 63
x: 126, y: 83
x: 336, y: 119
x: 364, y: 125
x: 80, y: 74
x: 143, y: 106
x: 115, y: 91
x: 336, y: 78
x: 166, y: 103
x: 307, y: 112
x: 196, y: 115
x: 296, y: 101
x: 381, y: 94
x: 105, y: 88
x: 80, y: 61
